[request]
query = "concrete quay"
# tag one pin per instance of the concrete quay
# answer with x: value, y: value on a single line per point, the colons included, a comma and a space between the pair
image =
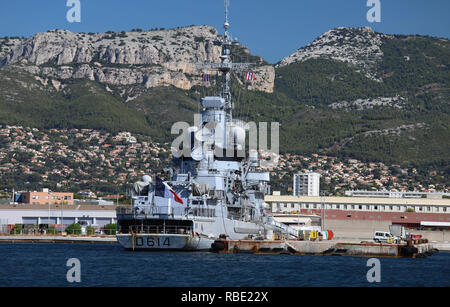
x: 441, y: 246
x: 56, y: 239
x: 348, y: 248
x: 383, y: 250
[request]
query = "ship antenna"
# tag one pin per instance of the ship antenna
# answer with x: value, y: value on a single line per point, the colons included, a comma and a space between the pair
x: 226, y: 52
x: 226, y: 65
x: 227, y: 4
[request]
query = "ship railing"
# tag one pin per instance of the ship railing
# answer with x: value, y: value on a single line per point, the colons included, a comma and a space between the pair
x: 146, y: 210
x: 165, y: 210
x: 152, y: 229
x: 151, y: 210
x: 124, y: 210
x: 203, y: 212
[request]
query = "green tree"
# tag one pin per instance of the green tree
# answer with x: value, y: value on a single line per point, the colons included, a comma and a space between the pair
x: 17, y: 229
x: 110, y: 229
x: 90, y: 230
x: 52, y: 230
x: 73, y: 229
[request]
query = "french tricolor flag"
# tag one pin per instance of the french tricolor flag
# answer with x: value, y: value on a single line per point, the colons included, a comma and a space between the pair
x: 162, y: 189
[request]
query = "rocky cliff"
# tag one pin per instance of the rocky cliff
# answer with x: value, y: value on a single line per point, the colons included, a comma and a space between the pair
x: 152, y: 58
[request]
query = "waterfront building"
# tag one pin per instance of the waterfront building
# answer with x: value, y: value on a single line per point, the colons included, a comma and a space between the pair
x: 57, y: 214
x: 395, y: 194
x: 405, y: 211
x: 290, y: 204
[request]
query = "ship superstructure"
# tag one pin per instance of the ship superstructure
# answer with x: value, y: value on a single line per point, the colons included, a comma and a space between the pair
x: 222, y: 192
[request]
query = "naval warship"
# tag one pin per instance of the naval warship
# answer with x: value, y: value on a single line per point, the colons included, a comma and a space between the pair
x: 216, y: 191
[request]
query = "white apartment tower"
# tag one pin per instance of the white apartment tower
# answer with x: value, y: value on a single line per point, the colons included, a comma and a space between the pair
x: 307, y: 184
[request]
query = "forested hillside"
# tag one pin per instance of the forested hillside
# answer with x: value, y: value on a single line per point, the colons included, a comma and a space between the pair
x: 352, y: 93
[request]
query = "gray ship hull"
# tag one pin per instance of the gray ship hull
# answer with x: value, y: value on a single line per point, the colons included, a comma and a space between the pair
x: 164, y: 242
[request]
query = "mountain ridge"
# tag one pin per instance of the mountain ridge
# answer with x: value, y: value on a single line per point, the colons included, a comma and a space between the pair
x: 152, y: 58
x: 347, y: 93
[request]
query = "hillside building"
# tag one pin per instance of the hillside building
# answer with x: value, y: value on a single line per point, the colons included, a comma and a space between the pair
x: 45, y: 197
x: 306, y: 184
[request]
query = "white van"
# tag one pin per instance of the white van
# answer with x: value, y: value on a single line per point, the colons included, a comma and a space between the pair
x: 383, y: 236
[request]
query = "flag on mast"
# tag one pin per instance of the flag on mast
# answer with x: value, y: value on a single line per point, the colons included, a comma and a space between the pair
x: 206, y: 77
x: 250, y: 76
x: 162, y: 189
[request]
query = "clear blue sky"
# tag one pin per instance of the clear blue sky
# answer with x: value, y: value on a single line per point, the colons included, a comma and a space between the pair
x: 270, y: 28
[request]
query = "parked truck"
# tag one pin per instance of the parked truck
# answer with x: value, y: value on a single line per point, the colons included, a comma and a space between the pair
x: 400, y: 234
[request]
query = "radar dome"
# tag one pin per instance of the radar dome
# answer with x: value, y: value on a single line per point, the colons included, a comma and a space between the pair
x: 146, y: 178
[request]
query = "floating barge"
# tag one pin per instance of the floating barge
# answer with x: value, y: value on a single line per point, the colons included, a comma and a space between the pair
x: 364, y: 249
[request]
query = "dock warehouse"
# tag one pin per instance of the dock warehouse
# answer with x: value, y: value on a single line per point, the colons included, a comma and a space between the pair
x: 56, y: 214
x: 290, y: 204
x: 359, y: 217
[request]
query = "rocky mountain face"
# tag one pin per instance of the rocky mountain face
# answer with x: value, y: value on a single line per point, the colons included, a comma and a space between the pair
x: 152, y: 58
x: 169, y: 57
x: 358, y: 47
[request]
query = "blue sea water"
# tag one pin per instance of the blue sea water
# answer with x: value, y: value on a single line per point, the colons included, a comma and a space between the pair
x: 109, y: 265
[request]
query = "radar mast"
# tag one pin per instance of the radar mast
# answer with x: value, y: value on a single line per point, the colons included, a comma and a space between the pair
x: 226, y: 66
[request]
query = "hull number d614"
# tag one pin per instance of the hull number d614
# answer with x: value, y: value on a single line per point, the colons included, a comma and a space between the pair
x: 153, y: 242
